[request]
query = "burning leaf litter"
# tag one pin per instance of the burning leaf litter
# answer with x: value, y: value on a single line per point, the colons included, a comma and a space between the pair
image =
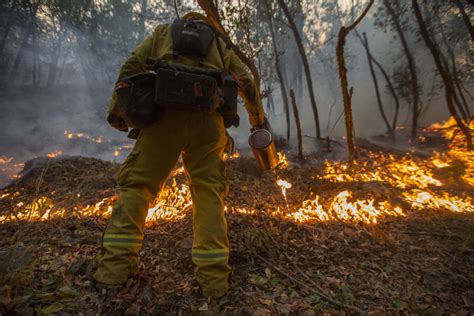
x: 343, y: 222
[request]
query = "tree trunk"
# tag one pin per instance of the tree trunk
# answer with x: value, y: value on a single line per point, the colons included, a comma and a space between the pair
x: 459, y: 101
x: 376, y: 85
x: 392, y: 91
x: 456, y: 99
x: 448, y: 83
x: 8, y: 25
x: 281, y: 80
x: 211, y: 11
x: 19, y: 56
x: 53, y: 67
x: 458, y: 86
x: 465, y: 17
x: 411, y: 66
x: 28, y: 31
x: 307, y: 71
x: 347, y: 94
x: 298, y: 125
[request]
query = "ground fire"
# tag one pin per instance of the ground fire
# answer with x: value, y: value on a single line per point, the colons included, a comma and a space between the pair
x: 200, y: 157
x: 390, y: 198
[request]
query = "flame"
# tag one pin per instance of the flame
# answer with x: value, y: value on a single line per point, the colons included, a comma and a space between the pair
x: 234, y: 155
x: 171, y: 204
x: 70, y: 135
x: 177, y: 171
x: 341, y: 209
x: 413, y: 176
x: 282, y: 161
x: 387, y: 186
x: 5, y: 160
x: 284, y: 185
x: 55, y: 153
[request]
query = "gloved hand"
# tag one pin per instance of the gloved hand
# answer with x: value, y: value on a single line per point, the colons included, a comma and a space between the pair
x: 117, y: 122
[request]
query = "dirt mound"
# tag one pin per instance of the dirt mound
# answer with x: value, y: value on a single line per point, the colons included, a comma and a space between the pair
x: 65, y: 180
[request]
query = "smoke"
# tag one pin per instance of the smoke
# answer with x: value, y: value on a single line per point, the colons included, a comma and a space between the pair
x: 35, y: 115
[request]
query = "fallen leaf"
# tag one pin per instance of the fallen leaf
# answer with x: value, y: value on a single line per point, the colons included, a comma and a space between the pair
x: 53, y: 308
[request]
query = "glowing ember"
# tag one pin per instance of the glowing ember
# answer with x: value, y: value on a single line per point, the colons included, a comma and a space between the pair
x: 234, y: 155
x: 70, y: 135
x: 116, y: 153
x: 55, y: 153
x: 5, y: 160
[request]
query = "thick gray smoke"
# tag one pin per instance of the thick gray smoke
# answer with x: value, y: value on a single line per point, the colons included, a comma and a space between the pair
x: 56, y: 78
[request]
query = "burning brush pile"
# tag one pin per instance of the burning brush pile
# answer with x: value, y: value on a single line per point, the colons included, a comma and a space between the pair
x: 392, y: 232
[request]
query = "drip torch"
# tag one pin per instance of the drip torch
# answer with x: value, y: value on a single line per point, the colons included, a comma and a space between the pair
x: 263, y: 147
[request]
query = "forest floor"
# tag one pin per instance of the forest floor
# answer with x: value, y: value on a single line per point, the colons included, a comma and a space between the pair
x: 391, y: 234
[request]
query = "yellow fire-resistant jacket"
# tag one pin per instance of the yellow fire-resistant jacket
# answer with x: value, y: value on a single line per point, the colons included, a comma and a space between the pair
x: 160, y: 45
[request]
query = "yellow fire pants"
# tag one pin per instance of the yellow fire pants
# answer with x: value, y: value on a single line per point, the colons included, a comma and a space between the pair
x: 201, y: 139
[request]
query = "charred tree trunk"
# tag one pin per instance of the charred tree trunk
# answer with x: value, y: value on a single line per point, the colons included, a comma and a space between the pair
x: 457, y: 83
x: 376, y: 85
x: 211, y: 11
x: 448, y: 83
x: 456, y: 99
x: 411, y: 66
x: 465, y: 17
x: 298, y: 125
x: 346, y: 93
x: 304, y: 58
x: 281, y: 80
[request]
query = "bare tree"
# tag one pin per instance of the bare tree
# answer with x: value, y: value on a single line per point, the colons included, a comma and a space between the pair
x: 459, y: 97
x: 392, y: 90
x: 447, y: 81
x: 281, y: 80
x: 304, y: 58
x: 346, y: 93
x: 365, y: 43
x: 298, y: 125
x: 411, y: 64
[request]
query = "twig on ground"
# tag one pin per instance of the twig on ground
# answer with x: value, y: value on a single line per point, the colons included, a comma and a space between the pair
x: 315, y: 291
x: 407, y: 232
x: 319, y: 289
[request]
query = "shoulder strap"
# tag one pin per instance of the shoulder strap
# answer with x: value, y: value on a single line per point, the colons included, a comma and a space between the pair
x: 219, y: 48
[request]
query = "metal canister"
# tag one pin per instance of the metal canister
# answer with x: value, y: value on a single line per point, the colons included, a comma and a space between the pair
x: 263, y: 148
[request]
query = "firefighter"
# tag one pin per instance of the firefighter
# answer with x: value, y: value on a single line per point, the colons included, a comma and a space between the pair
x: 201, y: 138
